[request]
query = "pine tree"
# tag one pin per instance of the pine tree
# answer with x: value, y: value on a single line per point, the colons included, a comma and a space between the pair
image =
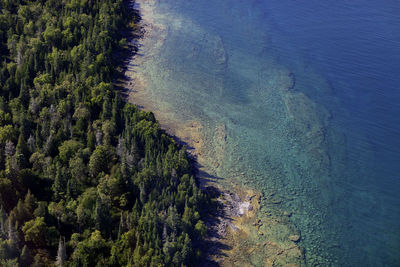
x: 121, y: 227
x: 164, y: 233
x: 2, y: 221
x: 30, y: 204
x: 9, y: 149
x: 26, y: 258
x: 102, y: 216
x: 187, y: 248
x: 31, y: 143
x: 98, y: 215
x: 58, y: 185
x: 11, y: 232
x: 61, y: 253
x: 22, y: 147
x: 91, y: 140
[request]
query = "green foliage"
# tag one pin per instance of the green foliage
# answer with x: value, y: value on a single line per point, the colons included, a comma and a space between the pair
x: 85, y: 178
x: 100, y: 160
x: 68, y: 149
x: 37, y: 234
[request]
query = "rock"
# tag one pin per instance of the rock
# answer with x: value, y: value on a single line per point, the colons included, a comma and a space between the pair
x: 294, y: 238
x: 233, y: 227
x: 269, y: 263
x: 276, y: 201
x: 244, y: 207
x: 287, y: 213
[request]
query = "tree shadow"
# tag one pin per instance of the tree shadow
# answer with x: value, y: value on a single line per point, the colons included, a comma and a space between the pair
x: 216, y: 219
x: 122, y: 57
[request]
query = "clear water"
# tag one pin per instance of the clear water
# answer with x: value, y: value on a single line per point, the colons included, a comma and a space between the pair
x: 308, y: 94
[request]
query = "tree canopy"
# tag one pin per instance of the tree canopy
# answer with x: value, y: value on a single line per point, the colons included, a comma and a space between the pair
x: 85, y: 178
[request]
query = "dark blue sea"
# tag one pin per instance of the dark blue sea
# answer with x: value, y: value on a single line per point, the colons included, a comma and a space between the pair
x: 355, y: 46
x: 309, y: 96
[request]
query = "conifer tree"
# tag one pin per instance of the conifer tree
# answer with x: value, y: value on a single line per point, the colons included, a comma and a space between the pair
x: 3, y: 217
x: 58, y: 185
x: 61, y: 253
x: 26, y: 257
x: 11, y: 232
x: 62, y: 172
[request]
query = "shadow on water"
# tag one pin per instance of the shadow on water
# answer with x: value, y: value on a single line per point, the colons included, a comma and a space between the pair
x: 123, y: 57
x: 211, y: 247
x: 216, y: 216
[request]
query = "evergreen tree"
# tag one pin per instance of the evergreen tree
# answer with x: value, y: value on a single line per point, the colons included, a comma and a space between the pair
x: 76, y: 160
x: 61, y: 253
x: 59, y: 184
x: 11, y: 232
x: 26, y: 257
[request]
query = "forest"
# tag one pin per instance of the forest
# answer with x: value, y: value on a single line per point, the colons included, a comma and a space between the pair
x: 86, y: 179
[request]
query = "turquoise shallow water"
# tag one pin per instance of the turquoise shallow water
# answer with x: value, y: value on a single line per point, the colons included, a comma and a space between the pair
x: 307, y: 95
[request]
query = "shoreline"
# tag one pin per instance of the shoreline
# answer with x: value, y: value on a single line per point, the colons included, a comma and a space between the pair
x: 242, y: 236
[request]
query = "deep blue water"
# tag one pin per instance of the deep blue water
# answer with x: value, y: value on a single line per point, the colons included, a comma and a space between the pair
x: 355, y: 45
x: 327, y: 142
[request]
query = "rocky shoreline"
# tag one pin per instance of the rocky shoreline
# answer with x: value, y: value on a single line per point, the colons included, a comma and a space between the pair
x: 239, y: 232
x: 240, y: 237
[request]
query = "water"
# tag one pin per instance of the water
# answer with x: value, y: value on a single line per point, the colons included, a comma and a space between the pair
x: 303, y: 98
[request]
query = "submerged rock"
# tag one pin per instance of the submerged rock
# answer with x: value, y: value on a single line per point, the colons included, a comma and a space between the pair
x: 294, y: 238
x: 287, y: 213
